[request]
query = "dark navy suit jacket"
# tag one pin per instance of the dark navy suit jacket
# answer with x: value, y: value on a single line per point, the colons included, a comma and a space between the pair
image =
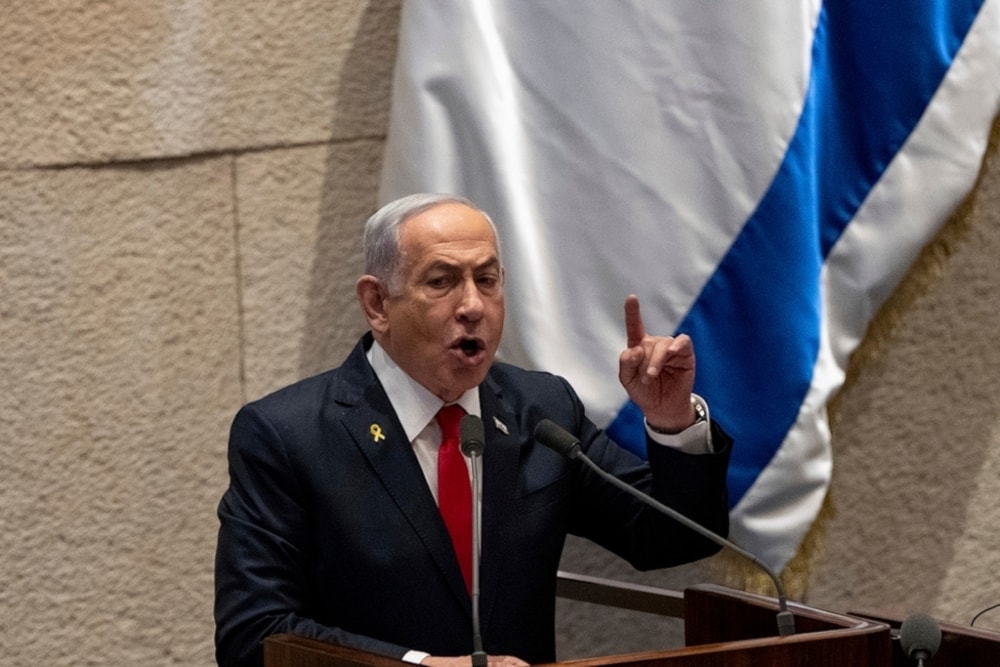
x: 330, y: 531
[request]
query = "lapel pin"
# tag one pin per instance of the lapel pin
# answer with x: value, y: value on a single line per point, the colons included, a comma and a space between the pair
x: 376, y: 432
x: 500, y: 426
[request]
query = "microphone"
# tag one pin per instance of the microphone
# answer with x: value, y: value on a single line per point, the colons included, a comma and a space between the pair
x: 563, y: 442
x: 471, y: 436
x: 920, y: 637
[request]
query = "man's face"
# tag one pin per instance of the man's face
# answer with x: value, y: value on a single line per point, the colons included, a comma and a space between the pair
x: 444, y: 326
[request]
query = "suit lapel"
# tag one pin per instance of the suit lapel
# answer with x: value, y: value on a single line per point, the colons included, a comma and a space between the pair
x: 501, y: 456
x: 377, y: 433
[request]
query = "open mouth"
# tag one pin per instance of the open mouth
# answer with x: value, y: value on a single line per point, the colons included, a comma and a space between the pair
x: 470, y: 347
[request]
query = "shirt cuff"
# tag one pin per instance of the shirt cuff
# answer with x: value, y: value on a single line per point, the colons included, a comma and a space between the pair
x: 415, y: 657
x: 695, y: 439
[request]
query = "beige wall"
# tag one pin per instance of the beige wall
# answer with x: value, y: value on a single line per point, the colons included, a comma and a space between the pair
x: 181, y: 189
x: 182, y: 185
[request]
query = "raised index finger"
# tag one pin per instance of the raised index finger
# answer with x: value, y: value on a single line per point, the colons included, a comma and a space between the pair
x: 635, y: 331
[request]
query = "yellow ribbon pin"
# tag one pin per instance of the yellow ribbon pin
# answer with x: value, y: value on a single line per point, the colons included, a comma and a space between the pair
x: 376, y: 432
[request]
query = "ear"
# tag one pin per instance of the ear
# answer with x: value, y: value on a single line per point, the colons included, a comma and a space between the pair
x: 372, y: 297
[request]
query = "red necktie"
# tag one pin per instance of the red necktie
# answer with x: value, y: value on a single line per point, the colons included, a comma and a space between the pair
x: 454, y: 490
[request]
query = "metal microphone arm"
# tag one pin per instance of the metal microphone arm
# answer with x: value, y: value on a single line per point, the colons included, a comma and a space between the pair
x: 472, y: 439
x: 565, y: 443
x: 478, y: 655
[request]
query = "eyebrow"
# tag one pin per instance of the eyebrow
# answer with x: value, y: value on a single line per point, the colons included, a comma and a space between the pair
x: 442, y: 265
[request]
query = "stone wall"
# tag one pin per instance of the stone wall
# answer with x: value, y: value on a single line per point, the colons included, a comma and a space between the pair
x: 182, y: 186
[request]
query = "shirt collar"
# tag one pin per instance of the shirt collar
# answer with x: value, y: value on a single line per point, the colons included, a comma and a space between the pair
x: 414, y: 404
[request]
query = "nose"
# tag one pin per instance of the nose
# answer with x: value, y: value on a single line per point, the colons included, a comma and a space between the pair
x: 470, y: 304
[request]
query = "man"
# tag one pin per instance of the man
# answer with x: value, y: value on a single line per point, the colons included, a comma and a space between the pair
x: 330, y: 527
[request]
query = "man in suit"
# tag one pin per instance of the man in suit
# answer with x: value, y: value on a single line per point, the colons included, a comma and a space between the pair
x: 331, y: 528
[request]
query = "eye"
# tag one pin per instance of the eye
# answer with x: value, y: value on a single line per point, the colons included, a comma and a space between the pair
x: 440, y: 283
x: 488, y: 281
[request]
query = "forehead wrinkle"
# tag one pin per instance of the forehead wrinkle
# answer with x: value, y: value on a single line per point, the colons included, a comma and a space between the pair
x: 446, y: 265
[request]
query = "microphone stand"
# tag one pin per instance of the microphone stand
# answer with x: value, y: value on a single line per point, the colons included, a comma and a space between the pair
x: 472, y: 441
x: 563, y: 442
x: 478, y: 654
x: 786, y: 622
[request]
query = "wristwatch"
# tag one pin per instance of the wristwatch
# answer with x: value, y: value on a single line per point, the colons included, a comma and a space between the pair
x: 700, y: 415
x: 699, y: 409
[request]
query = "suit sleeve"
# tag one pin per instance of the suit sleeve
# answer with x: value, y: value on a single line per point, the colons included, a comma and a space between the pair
x: 263, y: 546
x: 692, y: 484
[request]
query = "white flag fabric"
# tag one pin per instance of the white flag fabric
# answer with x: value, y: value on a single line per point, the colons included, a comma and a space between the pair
x: 761, y: 174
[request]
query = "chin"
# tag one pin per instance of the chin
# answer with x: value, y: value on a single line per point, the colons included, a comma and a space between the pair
x: 469, y: 379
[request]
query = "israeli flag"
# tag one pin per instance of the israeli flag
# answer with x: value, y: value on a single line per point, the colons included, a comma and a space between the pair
x: 760, y: 173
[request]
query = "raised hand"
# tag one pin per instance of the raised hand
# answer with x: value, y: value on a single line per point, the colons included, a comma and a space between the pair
x: 657, y: 372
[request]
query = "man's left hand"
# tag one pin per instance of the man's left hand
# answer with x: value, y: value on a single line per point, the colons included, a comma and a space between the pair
x: 657, y: 373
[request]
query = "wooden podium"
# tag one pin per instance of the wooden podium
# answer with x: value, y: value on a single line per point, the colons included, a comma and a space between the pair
x: 961, y: 645
x: 723, y: 628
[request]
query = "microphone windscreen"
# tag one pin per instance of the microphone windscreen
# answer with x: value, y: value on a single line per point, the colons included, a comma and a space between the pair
x: 557, y: 438
x: 919, y: 632
x: 472, y: 435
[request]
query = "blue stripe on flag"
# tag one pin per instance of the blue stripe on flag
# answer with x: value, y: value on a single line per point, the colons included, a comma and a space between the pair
x: 756, y: 322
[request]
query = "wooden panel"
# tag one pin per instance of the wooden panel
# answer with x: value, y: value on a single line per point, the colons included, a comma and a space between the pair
x: 295, y: 651
x: 961, y: 645
x: 622, y: 595
x: 731, y: 628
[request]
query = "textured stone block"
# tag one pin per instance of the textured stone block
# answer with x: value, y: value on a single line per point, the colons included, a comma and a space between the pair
x: 119, y: 373
x: 85, y: 82
x: 301, y: 215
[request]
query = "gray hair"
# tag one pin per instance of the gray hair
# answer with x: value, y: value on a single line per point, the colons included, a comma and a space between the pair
x: 382, y: 253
